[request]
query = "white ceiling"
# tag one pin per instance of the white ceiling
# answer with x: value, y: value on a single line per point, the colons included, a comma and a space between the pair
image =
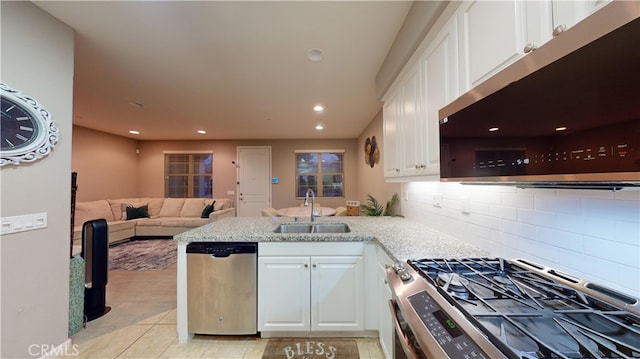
x: 238, y: 70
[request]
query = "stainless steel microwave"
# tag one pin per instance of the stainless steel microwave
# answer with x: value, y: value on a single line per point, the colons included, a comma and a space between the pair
x: 567, y: 114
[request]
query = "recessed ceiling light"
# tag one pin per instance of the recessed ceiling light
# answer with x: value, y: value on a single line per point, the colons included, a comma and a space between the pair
x: 493, y: 129
x: 315, y: 54
x: 134, y: 132
x: 136, y: 104
x: 561, y: 128
x: 318, y: 108
x: 319, y: 126
x: 202, y: 132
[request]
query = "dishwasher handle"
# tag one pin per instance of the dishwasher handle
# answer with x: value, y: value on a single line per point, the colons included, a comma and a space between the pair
x: 222, y: 249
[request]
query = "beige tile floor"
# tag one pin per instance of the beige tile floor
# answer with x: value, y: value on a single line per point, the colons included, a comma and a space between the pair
x: 142, y: 324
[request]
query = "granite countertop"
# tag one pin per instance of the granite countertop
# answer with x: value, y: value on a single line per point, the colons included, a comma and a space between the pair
x: 402, y: 239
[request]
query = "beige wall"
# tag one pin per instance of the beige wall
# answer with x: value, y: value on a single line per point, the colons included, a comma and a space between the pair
x: 109, y: 168
x: 106, y: 165
x: 151, y: 166
x: 371, y: 180
x: 37, y: 58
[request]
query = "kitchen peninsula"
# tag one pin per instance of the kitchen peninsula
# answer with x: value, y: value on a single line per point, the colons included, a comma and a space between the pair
x: 382, y: 240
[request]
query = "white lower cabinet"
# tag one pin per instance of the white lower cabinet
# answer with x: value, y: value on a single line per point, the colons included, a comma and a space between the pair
x: 385, y: 321
x: 298, y: 292
x: 283, y: 293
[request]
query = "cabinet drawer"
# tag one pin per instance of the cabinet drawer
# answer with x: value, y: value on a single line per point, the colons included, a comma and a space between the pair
x: 307, y: 248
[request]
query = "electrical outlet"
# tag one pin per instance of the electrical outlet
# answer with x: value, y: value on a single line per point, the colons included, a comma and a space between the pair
x: 437, y: 200
x: 465, y: 205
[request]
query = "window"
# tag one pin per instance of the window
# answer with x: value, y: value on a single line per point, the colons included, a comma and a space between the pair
x: 188, y: 175
x: 322, y: 171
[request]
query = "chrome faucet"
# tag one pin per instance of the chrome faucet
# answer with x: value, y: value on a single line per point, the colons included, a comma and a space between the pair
x: 313, y: 203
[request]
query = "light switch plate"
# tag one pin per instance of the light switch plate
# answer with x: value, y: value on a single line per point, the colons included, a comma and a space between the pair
x: 26, y: 222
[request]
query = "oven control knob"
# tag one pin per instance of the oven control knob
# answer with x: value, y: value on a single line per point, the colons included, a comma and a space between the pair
x: 397, y: 267
x: 404, y: 275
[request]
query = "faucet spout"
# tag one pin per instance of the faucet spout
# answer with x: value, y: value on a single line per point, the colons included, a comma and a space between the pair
x: 313, y: 202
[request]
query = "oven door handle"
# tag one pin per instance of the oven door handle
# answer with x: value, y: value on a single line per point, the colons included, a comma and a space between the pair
x: 404, y: 341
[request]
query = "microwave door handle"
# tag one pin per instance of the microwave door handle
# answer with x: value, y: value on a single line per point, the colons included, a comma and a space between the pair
x: 404, y: 341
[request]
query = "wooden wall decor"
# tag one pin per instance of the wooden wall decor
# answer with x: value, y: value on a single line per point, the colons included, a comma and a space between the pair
x: 371, y: 151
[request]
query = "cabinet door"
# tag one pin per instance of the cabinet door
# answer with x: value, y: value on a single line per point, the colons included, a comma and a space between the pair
x: 492, y: 35
x: 283, y: 294
x: 568, y: 13
x: 385, y: 321
x: 391, y: 133
x: 412, y: 123
x: 440, y: 71
x: 337, y: 293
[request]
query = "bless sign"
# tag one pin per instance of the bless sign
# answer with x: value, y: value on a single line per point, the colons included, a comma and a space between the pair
x: 310, y: 350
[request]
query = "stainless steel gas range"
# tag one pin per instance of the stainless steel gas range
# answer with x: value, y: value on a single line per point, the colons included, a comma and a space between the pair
x: 497, y: 308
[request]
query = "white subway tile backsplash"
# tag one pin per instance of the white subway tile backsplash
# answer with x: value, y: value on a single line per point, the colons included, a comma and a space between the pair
x: 611, y: 251
x: 589, y: 226
x: 509, y: 213
x: 518, y: 199
x: 479, y: 208
x: 611, y: 209
x: 629, y: 277
x: 569, y: 241
x: 627, y: 232
x: 537, y: 218
x: 549, y: 202
x: 519, y: 229
x: 590, y: 234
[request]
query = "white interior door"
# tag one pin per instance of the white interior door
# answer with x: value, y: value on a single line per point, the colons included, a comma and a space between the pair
x: 254, y: 180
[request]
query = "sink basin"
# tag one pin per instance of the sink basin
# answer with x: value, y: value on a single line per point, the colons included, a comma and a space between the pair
x: 312, y: 228
x: 294, y: 228
x: 331, y: 228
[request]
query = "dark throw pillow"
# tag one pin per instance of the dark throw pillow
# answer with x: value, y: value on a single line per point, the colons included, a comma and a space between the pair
x: 208, y: 209
x: 138, y: 212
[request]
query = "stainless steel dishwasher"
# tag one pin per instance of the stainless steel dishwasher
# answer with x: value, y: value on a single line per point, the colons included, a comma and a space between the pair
x: 222, y: 288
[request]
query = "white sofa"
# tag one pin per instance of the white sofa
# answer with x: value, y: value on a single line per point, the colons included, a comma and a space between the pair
x: 167, y: 216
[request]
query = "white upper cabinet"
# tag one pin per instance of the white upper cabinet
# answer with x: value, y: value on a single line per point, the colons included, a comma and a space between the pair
x: 492, y: 35
x: 479, y: 39
x: 412, y: 121
x: 410, y: 111
x: 391, y: 133
x: 439, y: 66
x: 565, y: 14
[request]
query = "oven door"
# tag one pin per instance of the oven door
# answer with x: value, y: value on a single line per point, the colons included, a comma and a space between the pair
x: 405, y: 344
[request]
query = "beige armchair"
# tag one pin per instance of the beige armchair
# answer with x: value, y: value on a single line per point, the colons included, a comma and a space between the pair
x: 269, y: 212
x: 316, y: 204
x: 341, y: 211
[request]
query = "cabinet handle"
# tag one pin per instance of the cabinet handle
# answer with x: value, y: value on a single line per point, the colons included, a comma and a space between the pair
x: 306, y: 266
x: 559, y: 30
x: 314, y: 265
x: 397, y: 170
x: 417, y: 167
x: 530, y: 47
x: 423, y: 166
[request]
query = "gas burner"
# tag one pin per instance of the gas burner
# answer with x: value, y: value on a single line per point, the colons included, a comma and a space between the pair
x: 502, y: 280
x: 455, y: 283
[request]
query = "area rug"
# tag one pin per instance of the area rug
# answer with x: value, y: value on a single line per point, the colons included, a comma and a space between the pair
x: 143, y: 254
x: 311, y: 348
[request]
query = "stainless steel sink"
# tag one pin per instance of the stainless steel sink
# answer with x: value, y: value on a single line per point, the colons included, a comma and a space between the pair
x: 331, y: 228
x: 312, y: 228
x: 294, y: 228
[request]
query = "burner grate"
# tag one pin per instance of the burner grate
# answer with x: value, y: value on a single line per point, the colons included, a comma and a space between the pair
x: 532, y: 315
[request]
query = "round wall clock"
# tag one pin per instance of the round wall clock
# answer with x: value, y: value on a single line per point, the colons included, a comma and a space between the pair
x: 27, y: 132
